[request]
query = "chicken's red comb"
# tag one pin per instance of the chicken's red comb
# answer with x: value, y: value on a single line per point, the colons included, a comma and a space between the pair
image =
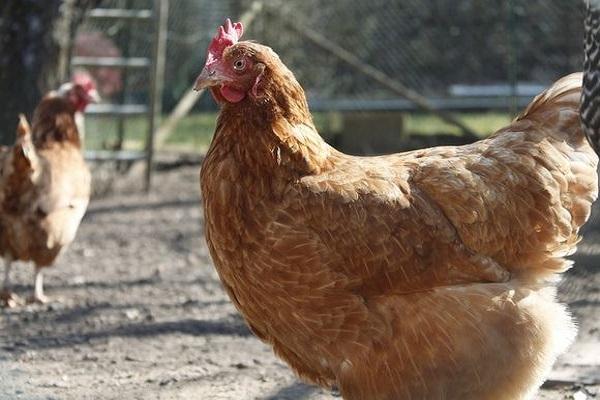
x: 227, y: 35
x: 84, y: 79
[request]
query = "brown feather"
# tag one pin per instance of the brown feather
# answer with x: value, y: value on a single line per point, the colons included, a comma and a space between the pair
x: 54, y: 122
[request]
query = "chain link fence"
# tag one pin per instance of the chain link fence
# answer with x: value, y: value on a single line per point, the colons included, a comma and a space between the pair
x: 428, y: 45
x: 462, y: 55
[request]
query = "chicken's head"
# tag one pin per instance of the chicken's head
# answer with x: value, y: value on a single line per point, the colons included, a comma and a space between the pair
x: 81, y: 91
x: 232, y: 69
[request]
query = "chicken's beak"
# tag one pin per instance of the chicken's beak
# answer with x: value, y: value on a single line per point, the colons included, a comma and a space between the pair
x: 210, y: 76
x: 93, y: 96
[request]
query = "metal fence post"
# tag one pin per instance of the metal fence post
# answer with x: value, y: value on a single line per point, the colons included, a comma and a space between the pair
x: 513, y: 57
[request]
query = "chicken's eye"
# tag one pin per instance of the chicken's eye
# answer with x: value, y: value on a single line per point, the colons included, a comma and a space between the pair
x: 239, y: 64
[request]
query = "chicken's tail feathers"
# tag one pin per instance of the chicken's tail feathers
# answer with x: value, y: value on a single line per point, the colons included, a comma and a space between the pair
x: 24, y: 148
x: 590, y: 98
x: 564, y: 93
x: 556, y: 111
x: 23, y: 128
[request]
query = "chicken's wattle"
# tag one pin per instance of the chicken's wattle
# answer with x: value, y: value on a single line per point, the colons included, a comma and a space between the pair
x: 232, y: 95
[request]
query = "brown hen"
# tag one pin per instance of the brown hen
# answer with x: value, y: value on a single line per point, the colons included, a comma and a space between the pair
x: 421, y: 275
x: 44, y: 186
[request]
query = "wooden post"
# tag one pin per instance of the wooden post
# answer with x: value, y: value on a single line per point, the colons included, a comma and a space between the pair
x: 161, y: 13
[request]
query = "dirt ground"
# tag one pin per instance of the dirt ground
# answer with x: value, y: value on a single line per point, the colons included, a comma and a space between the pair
x: 138, y: 313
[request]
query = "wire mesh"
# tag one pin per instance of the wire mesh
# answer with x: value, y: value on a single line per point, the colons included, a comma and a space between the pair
x: 427, y: 45
x: 439, y: 48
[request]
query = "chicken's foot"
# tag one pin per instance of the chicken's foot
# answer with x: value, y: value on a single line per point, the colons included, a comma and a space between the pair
x: 7, y: 297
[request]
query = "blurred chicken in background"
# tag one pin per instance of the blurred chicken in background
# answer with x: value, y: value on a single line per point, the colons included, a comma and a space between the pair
x: 44, y: 185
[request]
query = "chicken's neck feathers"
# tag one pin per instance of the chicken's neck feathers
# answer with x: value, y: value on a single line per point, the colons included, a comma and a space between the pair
x: 274, y: 133
x: 54, y: 123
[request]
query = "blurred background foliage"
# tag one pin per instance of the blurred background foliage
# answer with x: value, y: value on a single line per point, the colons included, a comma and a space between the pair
x: 32, y: 36
x: 431, y: 46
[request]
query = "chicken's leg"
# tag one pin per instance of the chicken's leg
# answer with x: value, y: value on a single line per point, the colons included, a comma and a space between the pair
x: 7, y: 297
x: 38, y: 288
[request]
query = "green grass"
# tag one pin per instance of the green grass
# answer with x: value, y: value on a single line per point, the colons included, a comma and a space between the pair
x: 194, y: 132
x: 482, y: 123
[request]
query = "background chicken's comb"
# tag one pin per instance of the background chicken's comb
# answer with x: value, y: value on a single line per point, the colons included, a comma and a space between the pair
x: 84, y: 80
x: 227, y: 35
